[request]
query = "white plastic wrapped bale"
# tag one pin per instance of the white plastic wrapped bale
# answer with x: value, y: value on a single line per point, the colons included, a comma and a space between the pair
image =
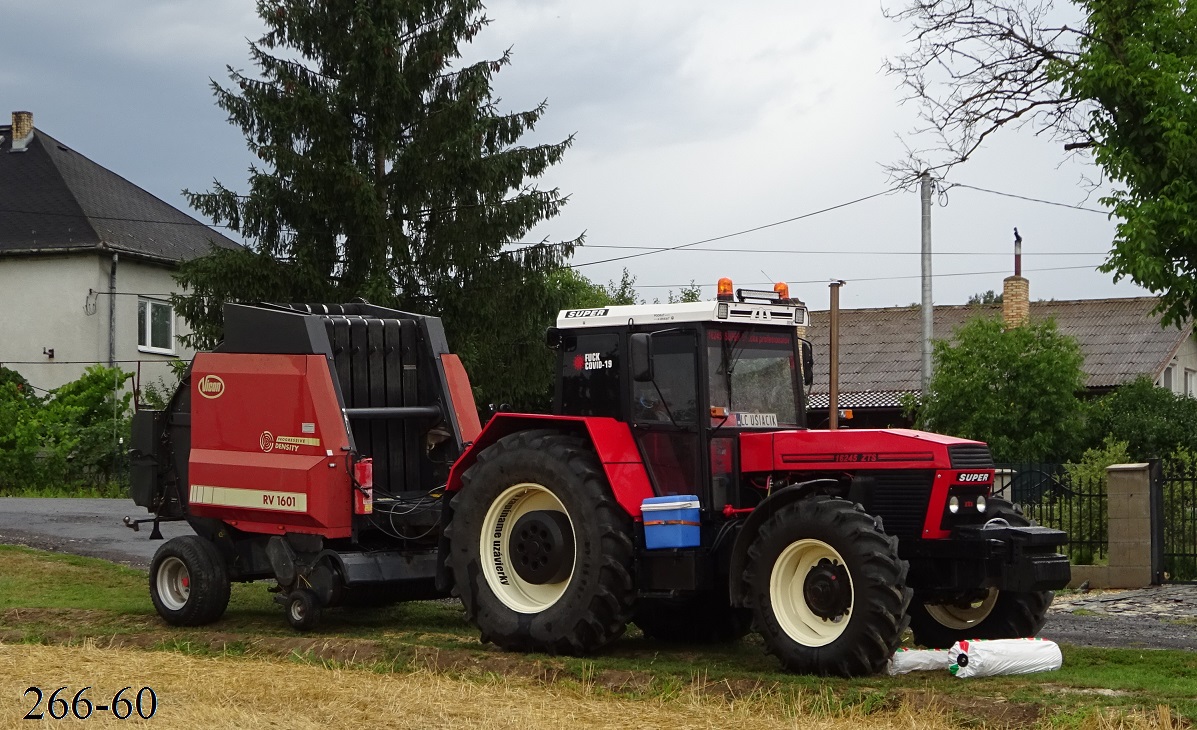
x: 988, y: 658
x: 916, y: 660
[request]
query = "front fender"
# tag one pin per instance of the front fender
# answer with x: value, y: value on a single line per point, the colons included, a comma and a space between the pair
x: 765, y: 510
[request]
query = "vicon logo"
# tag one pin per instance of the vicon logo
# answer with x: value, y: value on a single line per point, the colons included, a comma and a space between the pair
x: 211, y: 386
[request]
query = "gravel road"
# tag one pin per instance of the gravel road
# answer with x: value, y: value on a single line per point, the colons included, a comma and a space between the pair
x: 90, y: 527
x: 1159, y: 617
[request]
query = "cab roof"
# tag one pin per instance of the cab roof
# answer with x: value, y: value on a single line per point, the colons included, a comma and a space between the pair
x: 779, y: 314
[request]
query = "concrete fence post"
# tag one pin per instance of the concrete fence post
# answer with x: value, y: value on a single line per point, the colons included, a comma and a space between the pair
x: 1128, y: 508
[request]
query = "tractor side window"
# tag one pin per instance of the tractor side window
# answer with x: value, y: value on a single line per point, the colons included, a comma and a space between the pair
x: 590, y: 376
x: 672, y: 396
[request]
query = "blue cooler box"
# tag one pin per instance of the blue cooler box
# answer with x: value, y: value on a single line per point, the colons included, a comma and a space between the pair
x: 671, y: 522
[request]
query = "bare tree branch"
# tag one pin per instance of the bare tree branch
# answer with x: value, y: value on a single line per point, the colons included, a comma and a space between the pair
x: 977, y: 66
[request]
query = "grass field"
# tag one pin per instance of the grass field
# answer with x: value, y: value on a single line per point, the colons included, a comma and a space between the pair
x: 70, y: 621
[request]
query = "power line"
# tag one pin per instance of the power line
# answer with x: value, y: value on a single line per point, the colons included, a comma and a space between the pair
x: 1029, y: 199
x: 737, y: 233
x: 861, y: 253
x: 874, y: 278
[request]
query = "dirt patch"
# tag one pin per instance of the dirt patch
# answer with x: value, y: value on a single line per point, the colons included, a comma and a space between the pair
x: 1100, y: 691
x: 624, y: 681
x: 462, y: 661
x: 988, y: 711
x: 741, y: 689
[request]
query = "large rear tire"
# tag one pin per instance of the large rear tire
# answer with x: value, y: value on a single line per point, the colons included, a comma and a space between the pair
x: 189, y: 582
x: 541, y: 553
x: 986, y: 614
x: 827, y: 587
x: 707, y: 618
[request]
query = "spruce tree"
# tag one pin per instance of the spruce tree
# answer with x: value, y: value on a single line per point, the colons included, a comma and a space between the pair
x: 387, y: 172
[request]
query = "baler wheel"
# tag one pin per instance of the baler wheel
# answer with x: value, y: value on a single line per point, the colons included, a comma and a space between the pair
x: 540, y: 551
x: 189, y: 582
x: 827, y: 587
x: 303, y: 609
x: 992, y: 614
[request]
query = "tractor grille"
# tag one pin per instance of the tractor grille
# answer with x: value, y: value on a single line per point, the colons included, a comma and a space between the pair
x: 968, y: 456
x: 900, y: 499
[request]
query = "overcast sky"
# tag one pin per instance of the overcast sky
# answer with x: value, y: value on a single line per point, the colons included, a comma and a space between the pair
x: 693, y: 119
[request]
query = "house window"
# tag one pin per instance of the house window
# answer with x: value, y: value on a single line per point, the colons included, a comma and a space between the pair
x: 1191, y: 383
x: 1166, y: 380
x: 155, y: 327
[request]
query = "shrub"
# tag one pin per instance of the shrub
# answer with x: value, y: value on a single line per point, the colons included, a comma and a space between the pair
x: 1016, y: 389
x: 72, y: 440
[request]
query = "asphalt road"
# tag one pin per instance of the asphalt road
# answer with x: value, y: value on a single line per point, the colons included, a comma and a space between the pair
x: 1161, y: 617
x: 90, y: 527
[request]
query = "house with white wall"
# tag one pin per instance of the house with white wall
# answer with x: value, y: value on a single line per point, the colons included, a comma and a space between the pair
x: 86, y: 263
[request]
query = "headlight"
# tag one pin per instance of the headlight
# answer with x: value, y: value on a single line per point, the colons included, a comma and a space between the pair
x: 954, y: 504
x: 981, y: 503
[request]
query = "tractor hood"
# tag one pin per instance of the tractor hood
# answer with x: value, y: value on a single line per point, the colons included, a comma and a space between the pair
x: 862, y: 448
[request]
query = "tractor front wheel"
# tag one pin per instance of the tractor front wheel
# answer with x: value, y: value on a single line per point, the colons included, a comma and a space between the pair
x: 540, y: 551
x: 189, y: 582
x: 986, y: 614
x: 828, y: 588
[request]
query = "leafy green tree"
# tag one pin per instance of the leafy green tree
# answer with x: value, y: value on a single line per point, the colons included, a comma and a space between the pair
x: 1119, y: 83
x: 1153, y: 422
x: 623, y: 291
x: 73, y: 438
x: 387, y: 172
x: 988, y: 297
x: 691, y: 293
x: 1015, y: 389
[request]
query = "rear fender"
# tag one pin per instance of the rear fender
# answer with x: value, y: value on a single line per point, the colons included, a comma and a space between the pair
x: 752, y: 525
x: 611, y: 439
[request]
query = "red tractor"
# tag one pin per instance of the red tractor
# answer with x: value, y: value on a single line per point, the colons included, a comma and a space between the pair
x: 336, y: 450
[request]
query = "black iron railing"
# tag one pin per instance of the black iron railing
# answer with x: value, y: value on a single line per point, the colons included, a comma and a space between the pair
x: 1176, y: 521
x: 1052, y: 497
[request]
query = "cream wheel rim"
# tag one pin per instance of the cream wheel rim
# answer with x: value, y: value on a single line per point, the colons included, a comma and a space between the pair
x: 787, y: 593
x: 963, y: 617
x: 495, y: 548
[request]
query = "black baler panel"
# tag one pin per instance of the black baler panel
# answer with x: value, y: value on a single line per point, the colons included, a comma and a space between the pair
x: 375, y: 362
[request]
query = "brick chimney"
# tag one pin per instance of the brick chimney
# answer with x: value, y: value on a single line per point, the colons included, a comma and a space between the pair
x: 22, y: 131
x: 1016, y: 301
x: 1016, y: 291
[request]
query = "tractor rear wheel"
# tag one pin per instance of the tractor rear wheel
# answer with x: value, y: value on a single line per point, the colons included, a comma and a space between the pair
x: 987, y: 614
x: 189, y: 582
x: 707, y: 618
x: 827, y: 587
x: 540, y: 551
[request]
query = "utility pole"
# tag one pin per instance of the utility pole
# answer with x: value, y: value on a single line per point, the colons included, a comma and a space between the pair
x: 925, y: 185
x: 833, y: 372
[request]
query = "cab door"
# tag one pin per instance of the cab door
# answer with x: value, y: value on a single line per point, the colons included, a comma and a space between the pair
x: 665, y: 415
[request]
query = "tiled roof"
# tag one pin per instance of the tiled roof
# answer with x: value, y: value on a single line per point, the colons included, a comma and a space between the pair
x: 53, y: 198
x: 881, y: 349
x: 864, y: 399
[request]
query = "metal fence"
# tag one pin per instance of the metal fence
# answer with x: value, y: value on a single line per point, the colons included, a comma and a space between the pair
x: 1175, y: 525
x: 1051, y: 496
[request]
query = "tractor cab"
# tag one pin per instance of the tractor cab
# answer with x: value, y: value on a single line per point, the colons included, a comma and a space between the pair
x: 689, y: 378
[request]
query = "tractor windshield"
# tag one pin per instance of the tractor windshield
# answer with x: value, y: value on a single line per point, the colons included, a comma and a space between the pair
x: 752, y: 375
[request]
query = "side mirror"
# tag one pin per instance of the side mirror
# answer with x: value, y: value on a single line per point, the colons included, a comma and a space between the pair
x: 808, y: 364
x: 640, y: 354
x: 552, y: 338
